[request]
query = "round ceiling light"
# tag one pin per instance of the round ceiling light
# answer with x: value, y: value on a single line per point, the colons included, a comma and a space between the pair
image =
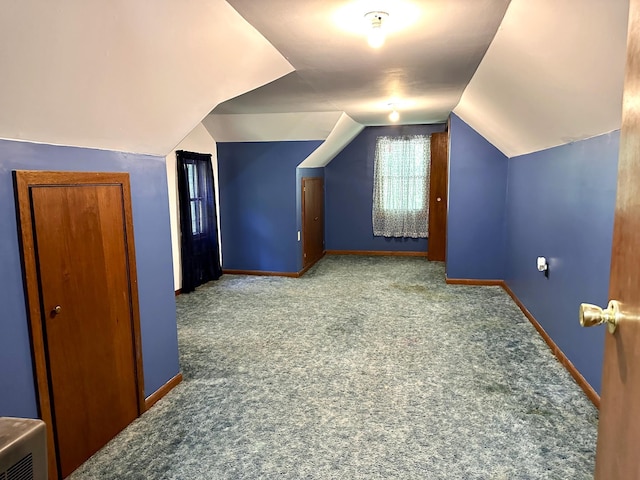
x: 376, y: 35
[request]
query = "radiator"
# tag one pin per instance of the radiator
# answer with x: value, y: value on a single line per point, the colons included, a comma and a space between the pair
x: 23, y: 449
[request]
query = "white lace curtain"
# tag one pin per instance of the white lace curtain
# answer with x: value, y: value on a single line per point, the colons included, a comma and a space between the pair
x: 401, y: 186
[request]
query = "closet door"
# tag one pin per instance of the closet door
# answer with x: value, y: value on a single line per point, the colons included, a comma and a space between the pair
x: 438, y: 188
x: 312, y: 220
x: 77, y: 239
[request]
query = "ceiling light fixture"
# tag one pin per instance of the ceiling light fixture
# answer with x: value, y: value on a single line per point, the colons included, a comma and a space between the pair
x: 376, y: 32
x: 394, y: 116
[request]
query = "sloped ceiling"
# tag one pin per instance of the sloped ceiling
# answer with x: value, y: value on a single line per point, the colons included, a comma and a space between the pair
x: 290, y: 93
x: 345, y: 130
x: 138, y: 76
x: 271, y: 127
x: 552, y: 75
x: 128, y: 75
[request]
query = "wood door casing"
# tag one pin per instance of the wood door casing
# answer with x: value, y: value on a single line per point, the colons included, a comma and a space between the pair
x: 77, y: 244
x: 312, y: 220
x: 438, y: 188
x: 619, y: 425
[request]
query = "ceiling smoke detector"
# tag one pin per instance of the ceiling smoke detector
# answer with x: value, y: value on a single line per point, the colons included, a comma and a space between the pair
x: 376, y: 32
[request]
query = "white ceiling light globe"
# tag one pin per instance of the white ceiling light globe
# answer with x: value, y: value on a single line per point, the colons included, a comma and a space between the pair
x: 376, y: 37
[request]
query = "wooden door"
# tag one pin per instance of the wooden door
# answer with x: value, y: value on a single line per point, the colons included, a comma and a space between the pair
x: 312, y: 220
x: 619, y: 427
x: 80, y: 277
x: 438, y: 188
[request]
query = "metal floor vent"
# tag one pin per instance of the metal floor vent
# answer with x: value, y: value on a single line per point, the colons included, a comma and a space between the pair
x: 23, y: 449
x: 23, y: 470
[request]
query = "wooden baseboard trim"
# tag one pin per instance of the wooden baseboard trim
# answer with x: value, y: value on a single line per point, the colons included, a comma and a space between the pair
x: 559, y: 354
x: 261, y: 273
x: 305, y: 269
x: 152, y: 399
x: 473, y: 281
x: 273, y: 274
x: 381, y: 253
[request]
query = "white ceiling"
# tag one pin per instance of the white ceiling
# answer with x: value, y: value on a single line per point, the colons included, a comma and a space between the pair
x: 553, y: 74
x: 128, y: 75
x: 424, y: 65
x: 287, y: 94
x: 345, y: 130
x: 270, y: 127
x: 138, y: 76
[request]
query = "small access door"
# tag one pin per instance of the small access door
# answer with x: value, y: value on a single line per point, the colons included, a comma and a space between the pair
x: 80, y: 278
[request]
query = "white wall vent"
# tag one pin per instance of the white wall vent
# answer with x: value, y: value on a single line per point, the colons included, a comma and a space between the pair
x: 23, y: 449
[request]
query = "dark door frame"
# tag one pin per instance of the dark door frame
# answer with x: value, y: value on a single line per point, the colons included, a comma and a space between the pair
x: 24, y: 181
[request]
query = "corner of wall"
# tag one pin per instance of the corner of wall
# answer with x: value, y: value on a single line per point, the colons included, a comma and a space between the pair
x: 477, y: 195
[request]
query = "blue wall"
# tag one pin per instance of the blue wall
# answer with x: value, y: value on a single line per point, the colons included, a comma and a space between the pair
x: 258, y: 204
x: 349, y: 194
x: 560, y: 205
x: 305, y: 172
x: 153, y: 254
x: 477, y: 193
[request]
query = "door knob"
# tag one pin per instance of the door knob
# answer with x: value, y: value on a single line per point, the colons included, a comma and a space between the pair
x: 591, y: 315
x: 56, y: 310
x: 439, y: 199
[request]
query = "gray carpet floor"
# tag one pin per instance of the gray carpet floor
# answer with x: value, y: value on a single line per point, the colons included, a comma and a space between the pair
x: 365, y: 368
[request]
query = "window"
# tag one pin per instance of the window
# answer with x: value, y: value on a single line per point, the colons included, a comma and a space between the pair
x: 195, y: 199
x: 199, y: 252
x: 401, y: 186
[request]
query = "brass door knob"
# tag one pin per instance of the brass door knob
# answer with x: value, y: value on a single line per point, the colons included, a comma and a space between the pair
x: 591, y: 315
x: 56, y: 310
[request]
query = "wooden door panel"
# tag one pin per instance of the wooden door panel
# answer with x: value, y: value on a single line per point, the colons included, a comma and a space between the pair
x: 619, y: 425
x: 79, y: 234
x: 312, y: 220
x: 438, y: 188
x: 318, y: 219
x: 77, y: 241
